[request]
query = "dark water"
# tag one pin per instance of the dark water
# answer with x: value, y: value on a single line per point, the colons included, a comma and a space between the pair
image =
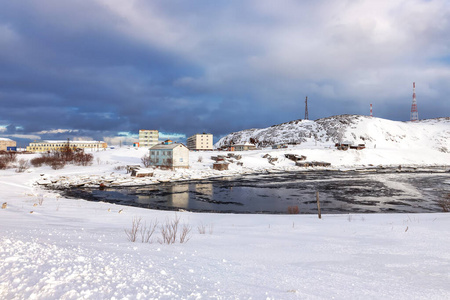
x: 339, y: 192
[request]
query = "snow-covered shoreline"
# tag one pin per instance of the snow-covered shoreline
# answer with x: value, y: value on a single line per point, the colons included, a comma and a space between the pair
x: 126, y: 180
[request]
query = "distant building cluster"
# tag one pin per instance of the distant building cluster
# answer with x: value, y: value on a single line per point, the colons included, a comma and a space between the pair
x: 167, y: 154
x: 46, y: 146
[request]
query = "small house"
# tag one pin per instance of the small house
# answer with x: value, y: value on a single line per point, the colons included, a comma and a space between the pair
x: 348, y: 145
x: 169, y: 155
x: 279, y: 146
x: 244, y: 147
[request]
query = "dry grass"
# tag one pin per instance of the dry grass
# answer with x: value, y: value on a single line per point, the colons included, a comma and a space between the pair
x: 202, y: 228
x: 185, y: 233
x: 135, y: 226
x: 147, y: 231
x: 169, y: 231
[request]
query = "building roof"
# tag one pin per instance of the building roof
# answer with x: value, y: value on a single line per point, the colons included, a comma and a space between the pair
x: 70, y: 142
x: 166, y: 147
x: 5, y: 139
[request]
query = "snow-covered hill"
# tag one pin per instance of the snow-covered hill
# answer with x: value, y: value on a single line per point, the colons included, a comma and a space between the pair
x: 431, y: 133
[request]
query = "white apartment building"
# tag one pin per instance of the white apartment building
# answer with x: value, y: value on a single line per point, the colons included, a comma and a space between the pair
x: 202, y: 141
x: 45, y: 146
x: 148, y: 138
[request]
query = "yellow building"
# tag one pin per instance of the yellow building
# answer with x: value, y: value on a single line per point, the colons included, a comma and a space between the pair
x: 148, y: 138
x: 6, y: 143
x: 45, y: 146
x: 200, y: 142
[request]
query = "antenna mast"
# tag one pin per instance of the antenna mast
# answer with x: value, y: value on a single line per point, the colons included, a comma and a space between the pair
x: 306, y: 108
x: 414, y: 112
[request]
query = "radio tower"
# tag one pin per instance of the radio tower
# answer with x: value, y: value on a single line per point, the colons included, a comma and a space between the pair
x: 371, y: 115
x: 414, y: 112
x: 306, y: 108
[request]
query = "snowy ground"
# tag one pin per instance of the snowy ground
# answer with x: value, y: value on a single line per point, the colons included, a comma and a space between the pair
x: 75, y: 249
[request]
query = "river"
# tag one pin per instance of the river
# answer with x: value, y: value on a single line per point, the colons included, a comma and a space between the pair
x: 339, y: 192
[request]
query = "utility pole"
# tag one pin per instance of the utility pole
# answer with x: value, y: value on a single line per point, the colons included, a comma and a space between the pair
x: 414, y: 112
x: 306, y: 108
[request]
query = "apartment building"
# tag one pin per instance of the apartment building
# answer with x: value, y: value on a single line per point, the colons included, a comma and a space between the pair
x: 45, y: 146
x: 7, y: 144
x: 202, y: 141
x: 148, y: 138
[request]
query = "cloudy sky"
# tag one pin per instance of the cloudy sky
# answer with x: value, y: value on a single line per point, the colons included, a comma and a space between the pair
x: 105, y: 68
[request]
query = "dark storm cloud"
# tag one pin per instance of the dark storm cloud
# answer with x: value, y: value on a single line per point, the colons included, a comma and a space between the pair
x: 96, y: 68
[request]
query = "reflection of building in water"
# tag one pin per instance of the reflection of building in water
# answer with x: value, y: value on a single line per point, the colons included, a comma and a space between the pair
x: 173, y: 196
x: 179, y: 196
x: 204, y: 188
x: 183, y: 196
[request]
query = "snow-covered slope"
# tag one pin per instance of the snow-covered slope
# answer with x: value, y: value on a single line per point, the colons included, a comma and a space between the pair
x: 432, y: 133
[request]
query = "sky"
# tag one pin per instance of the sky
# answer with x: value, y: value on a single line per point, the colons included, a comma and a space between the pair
x: 103, y: 69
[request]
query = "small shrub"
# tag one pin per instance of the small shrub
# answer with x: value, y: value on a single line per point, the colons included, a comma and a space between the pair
x: 202, y: 228
x: 58, y: 159
x: 3, y: 163
x: 40, y: 199
x: 184, y: 235
x: 200, y: 159
x: 169, y: 231
x: 56, y: 165
x: 146, y: 160
x: 445, y: 203
x: 135, y: 227
x: 6, y: 159
x: 83, y: 159
x: 293, y: 210
x: 11, y: 156
x: 147, y: 231
x: 23, y: 165
x: 38, y: 161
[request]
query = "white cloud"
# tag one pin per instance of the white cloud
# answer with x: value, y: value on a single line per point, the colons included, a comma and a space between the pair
x: 25, y: 136
x: 53, y: 131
